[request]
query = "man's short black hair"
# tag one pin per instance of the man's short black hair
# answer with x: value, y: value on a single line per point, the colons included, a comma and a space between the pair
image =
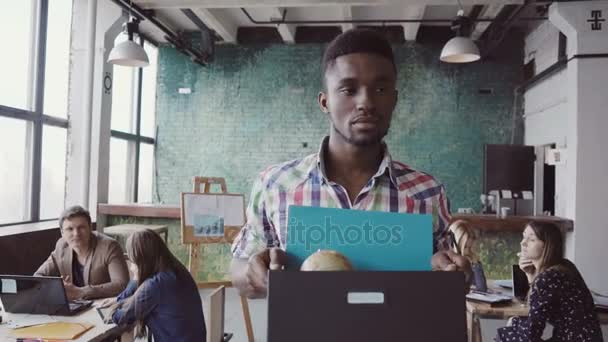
x: 357, y: 40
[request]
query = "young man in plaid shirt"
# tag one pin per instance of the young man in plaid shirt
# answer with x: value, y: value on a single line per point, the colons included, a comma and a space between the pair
x: 353, y: 168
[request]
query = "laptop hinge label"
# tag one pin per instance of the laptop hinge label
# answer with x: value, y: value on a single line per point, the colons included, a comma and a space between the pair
x: 365, y: 298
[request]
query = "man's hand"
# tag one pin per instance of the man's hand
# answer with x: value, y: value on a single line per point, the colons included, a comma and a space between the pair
x: 450, y: 261
x: 72, y: 291
x: 252, y: 281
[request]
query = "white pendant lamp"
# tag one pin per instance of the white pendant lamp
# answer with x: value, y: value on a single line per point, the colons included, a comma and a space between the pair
x: 460, y: 49
x: 129, y: 53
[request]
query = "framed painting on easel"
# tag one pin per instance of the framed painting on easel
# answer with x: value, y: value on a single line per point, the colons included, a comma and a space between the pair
x: 211, y: 217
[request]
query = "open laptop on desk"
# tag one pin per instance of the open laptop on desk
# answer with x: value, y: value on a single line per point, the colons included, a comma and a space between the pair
x: 520, y: 283
x: 37, y: 295
x: 366, y: 306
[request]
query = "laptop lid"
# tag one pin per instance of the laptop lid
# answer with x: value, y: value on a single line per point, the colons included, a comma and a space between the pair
x: 520, y: 283
x: 33, y: 295
x: 366, y: 306
x: 397, y: 241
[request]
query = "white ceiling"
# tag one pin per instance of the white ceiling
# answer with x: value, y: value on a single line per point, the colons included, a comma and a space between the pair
x: 226, y: 16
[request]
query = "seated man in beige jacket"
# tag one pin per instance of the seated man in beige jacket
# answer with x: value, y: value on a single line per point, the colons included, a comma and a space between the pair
x: 91, y: 264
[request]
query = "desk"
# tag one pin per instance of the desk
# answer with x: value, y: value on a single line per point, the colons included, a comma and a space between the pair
x: 99, y: 332
x: 477, y: 310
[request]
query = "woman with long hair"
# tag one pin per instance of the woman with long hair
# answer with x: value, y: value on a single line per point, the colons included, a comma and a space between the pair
x: 558, y: 294
x: 464, y: 243
x: 163, y: 296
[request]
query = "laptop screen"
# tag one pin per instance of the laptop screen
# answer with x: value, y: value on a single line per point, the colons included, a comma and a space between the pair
x: 520, y: 283
x: 33, y: 295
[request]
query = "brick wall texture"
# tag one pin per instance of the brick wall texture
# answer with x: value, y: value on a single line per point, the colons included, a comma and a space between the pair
x: 257, y: 105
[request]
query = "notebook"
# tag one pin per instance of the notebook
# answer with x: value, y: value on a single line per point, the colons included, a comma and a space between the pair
x: 53, y: 331
x: 371, y: 240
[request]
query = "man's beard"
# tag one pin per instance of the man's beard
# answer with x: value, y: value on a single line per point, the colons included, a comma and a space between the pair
x: 361, y: 141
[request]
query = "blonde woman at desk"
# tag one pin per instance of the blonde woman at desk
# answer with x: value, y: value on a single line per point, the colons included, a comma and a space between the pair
x: 558, y: 294
x: 463, y: 243
x: 163, y: 296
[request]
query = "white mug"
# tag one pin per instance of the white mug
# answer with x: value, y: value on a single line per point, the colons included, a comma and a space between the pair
x: 504, y: 211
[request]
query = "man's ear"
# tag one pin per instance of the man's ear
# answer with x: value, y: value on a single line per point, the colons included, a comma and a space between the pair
x: 396, y: 97
x: 322, y: 99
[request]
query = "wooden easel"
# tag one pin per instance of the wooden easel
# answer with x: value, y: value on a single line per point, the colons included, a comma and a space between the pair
x: 194, y: 256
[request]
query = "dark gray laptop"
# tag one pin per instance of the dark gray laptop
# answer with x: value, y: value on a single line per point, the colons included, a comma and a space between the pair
x: 366, y: 306
x: 37, y: 295
x: 520, y: 283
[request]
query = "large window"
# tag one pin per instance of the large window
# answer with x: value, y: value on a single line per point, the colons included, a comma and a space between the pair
x: 133, y: 130
x: 33, y: 108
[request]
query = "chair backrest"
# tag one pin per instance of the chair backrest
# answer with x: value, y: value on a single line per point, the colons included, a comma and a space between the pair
x: 215, y: 326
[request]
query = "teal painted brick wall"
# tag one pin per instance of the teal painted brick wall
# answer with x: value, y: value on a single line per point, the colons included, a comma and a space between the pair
x: 256, y: 105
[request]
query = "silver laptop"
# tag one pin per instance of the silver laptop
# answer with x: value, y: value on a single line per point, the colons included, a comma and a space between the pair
x: 37, y: 295
x: 366, y: 306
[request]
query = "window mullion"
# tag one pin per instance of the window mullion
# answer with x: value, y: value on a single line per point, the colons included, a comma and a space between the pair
x: 34, y: 37
x: 40, y: 58
x: 32, y: 62
x: 138, y: 128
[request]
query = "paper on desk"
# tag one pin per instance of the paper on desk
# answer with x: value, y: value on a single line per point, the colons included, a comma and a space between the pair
x: 29, y: 320
x: 508, y: 283
x: 600, y: 300
x: 53, y: 331
x: 488, y: 297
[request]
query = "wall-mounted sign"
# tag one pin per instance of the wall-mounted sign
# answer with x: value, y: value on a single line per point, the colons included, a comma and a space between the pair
x: 596, y: 20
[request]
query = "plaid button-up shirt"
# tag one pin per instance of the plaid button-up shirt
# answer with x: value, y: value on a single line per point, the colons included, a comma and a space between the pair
x: 394, y: 188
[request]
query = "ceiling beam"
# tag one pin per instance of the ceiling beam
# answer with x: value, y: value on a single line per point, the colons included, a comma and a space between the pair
x: 410, y: 30
x: 305, y: 3
x: 223, y: 28
x: 489, y: 11
x: 347, y: 14
x: 287, y: 31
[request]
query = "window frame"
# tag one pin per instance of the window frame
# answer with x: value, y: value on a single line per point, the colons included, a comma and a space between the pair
x: 35, y: 117
x: 132, y: 181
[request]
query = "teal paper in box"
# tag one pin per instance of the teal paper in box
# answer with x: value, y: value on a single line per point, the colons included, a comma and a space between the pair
x: 371, y: 240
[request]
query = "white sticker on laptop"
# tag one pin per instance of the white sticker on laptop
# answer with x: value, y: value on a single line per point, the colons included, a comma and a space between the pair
x: 365, y: 298
x: 9, y: 286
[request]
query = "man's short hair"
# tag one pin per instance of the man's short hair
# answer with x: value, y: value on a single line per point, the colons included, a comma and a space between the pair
x: 358, y: 40
x: 74, y: 211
